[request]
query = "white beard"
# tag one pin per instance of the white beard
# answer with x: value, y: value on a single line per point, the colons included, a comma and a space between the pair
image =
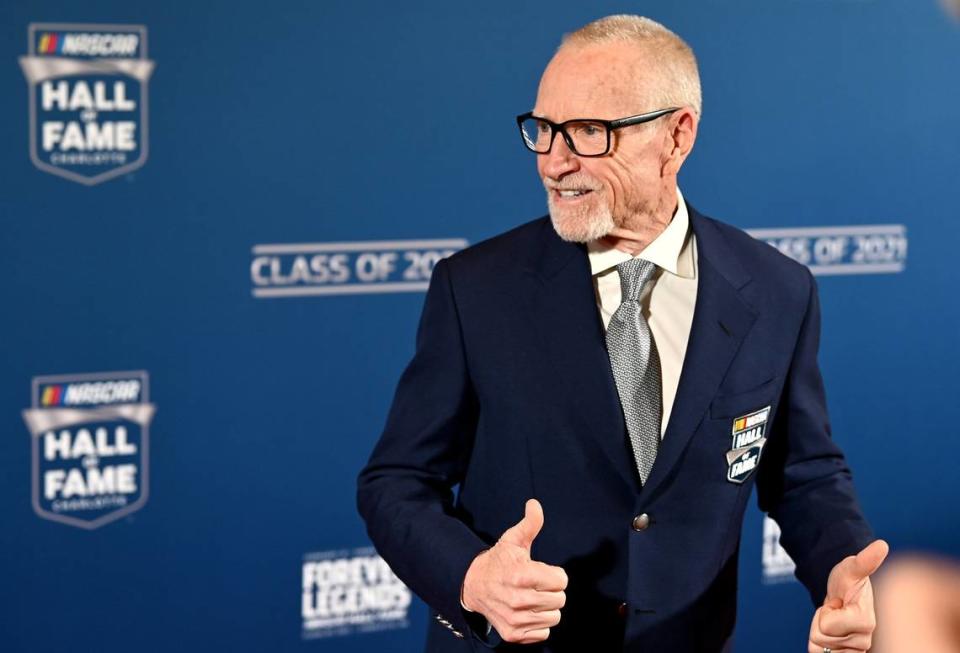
x: 581, y: 224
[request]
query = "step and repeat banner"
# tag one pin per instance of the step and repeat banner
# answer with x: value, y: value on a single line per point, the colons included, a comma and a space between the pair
x: 219, y: 220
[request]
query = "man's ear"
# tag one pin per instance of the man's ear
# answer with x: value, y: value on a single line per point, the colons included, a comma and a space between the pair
x: 679, y: 139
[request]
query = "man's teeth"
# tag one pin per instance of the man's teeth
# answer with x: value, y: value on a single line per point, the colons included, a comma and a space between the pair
x: 572, y: 193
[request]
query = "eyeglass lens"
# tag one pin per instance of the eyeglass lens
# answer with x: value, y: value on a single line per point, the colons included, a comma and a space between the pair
x: 588, y: 137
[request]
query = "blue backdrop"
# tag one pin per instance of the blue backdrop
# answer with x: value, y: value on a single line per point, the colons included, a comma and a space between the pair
x: 254, y: 268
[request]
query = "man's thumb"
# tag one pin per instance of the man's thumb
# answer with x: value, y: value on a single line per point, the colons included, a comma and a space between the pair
x: 855, y: 570
x: 526, y: 530
x: 870, y: 559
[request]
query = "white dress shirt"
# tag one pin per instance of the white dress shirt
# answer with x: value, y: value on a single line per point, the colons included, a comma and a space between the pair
x: 667, y: 301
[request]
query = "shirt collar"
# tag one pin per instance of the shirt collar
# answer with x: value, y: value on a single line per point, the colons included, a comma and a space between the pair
x: 671, y: 250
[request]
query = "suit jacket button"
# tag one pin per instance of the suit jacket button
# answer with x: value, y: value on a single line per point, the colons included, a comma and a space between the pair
x: 640, y: 522
x: 622, y: 609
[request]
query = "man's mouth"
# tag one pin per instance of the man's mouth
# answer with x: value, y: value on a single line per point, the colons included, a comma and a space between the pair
x: 572, y: 193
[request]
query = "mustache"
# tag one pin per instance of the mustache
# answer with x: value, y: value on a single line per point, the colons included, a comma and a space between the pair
x: 570, y: 182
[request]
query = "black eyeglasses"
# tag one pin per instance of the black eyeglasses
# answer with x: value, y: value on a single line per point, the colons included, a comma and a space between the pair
x: 584, y: 136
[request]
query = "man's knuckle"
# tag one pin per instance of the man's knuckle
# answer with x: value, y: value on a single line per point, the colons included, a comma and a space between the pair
x: 831, y: 628
x: 514, y: 600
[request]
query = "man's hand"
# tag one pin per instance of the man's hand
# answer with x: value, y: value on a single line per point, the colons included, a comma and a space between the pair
x: 846, y: 620
x: 520, y: 597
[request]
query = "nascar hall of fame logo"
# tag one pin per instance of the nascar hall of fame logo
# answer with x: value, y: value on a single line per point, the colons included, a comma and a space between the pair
x: 90, y: 446
x: 381, y: 266
x: 87, y: 98
x: 778, y: 566
x: 746, y: 445
x: 855, y: 249
x: 351, y: 591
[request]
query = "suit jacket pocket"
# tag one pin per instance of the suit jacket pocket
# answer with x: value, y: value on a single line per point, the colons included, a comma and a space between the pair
x: 741, y: 403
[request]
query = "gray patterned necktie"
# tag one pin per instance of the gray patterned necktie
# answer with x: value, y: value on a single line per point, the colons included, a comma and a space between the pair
x: 636, y: 365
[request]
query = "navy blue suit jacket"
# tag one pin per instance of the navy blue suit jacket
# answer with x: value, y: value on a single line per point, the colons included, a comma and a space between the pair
x: 510, y: 394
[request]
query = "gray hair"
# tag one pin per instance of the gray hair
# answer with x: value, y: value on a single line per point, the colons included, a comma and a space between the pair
x: 672, y: 57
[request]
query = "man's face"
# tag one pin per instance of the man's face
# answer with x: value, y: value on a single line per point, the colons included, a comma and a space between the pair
x: 588, y: 196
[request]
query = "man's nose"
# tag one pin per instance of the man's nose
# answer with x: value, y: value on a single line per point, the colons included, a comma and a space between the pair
x: 560, y: 160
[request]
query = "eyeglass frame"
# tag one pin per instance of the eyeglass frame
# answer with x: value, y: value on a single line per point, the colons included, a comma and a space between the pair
x: 610, y: 125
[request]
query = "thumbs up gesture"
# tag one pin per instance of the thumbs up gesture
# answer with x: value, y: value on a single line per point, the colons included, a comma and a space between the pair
x: 846, y: 620
x: 520, y: 597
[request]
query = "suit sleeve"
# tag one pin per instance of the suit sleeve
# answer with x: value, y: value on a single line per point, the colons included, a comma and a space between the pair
x: 806, y: 485
x: 405, y: 492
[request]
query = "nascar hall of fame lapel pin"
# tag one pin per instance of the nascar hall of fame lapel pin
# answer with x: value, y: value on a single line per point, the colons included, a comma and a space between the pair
x: 90, y: 442
x: 748, y: 441
x: 87, y: 98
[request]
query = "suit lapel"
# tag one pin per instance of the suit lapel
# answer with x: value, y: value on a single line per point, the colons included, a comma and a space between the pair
x: 721, y: 320
x: 563, y: 312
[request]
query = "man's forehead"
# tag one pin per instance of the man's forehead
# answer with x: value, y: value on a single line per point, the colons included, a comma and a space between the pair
x: 596, y: 81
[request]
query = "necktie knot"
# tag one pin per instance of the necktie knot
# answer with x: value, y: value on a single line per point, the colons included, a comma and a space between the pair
x: 634, y: 274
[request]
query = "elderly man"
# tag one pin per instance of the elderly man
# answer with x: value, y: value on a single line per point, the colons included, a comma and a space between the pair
x: 628, y: 368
